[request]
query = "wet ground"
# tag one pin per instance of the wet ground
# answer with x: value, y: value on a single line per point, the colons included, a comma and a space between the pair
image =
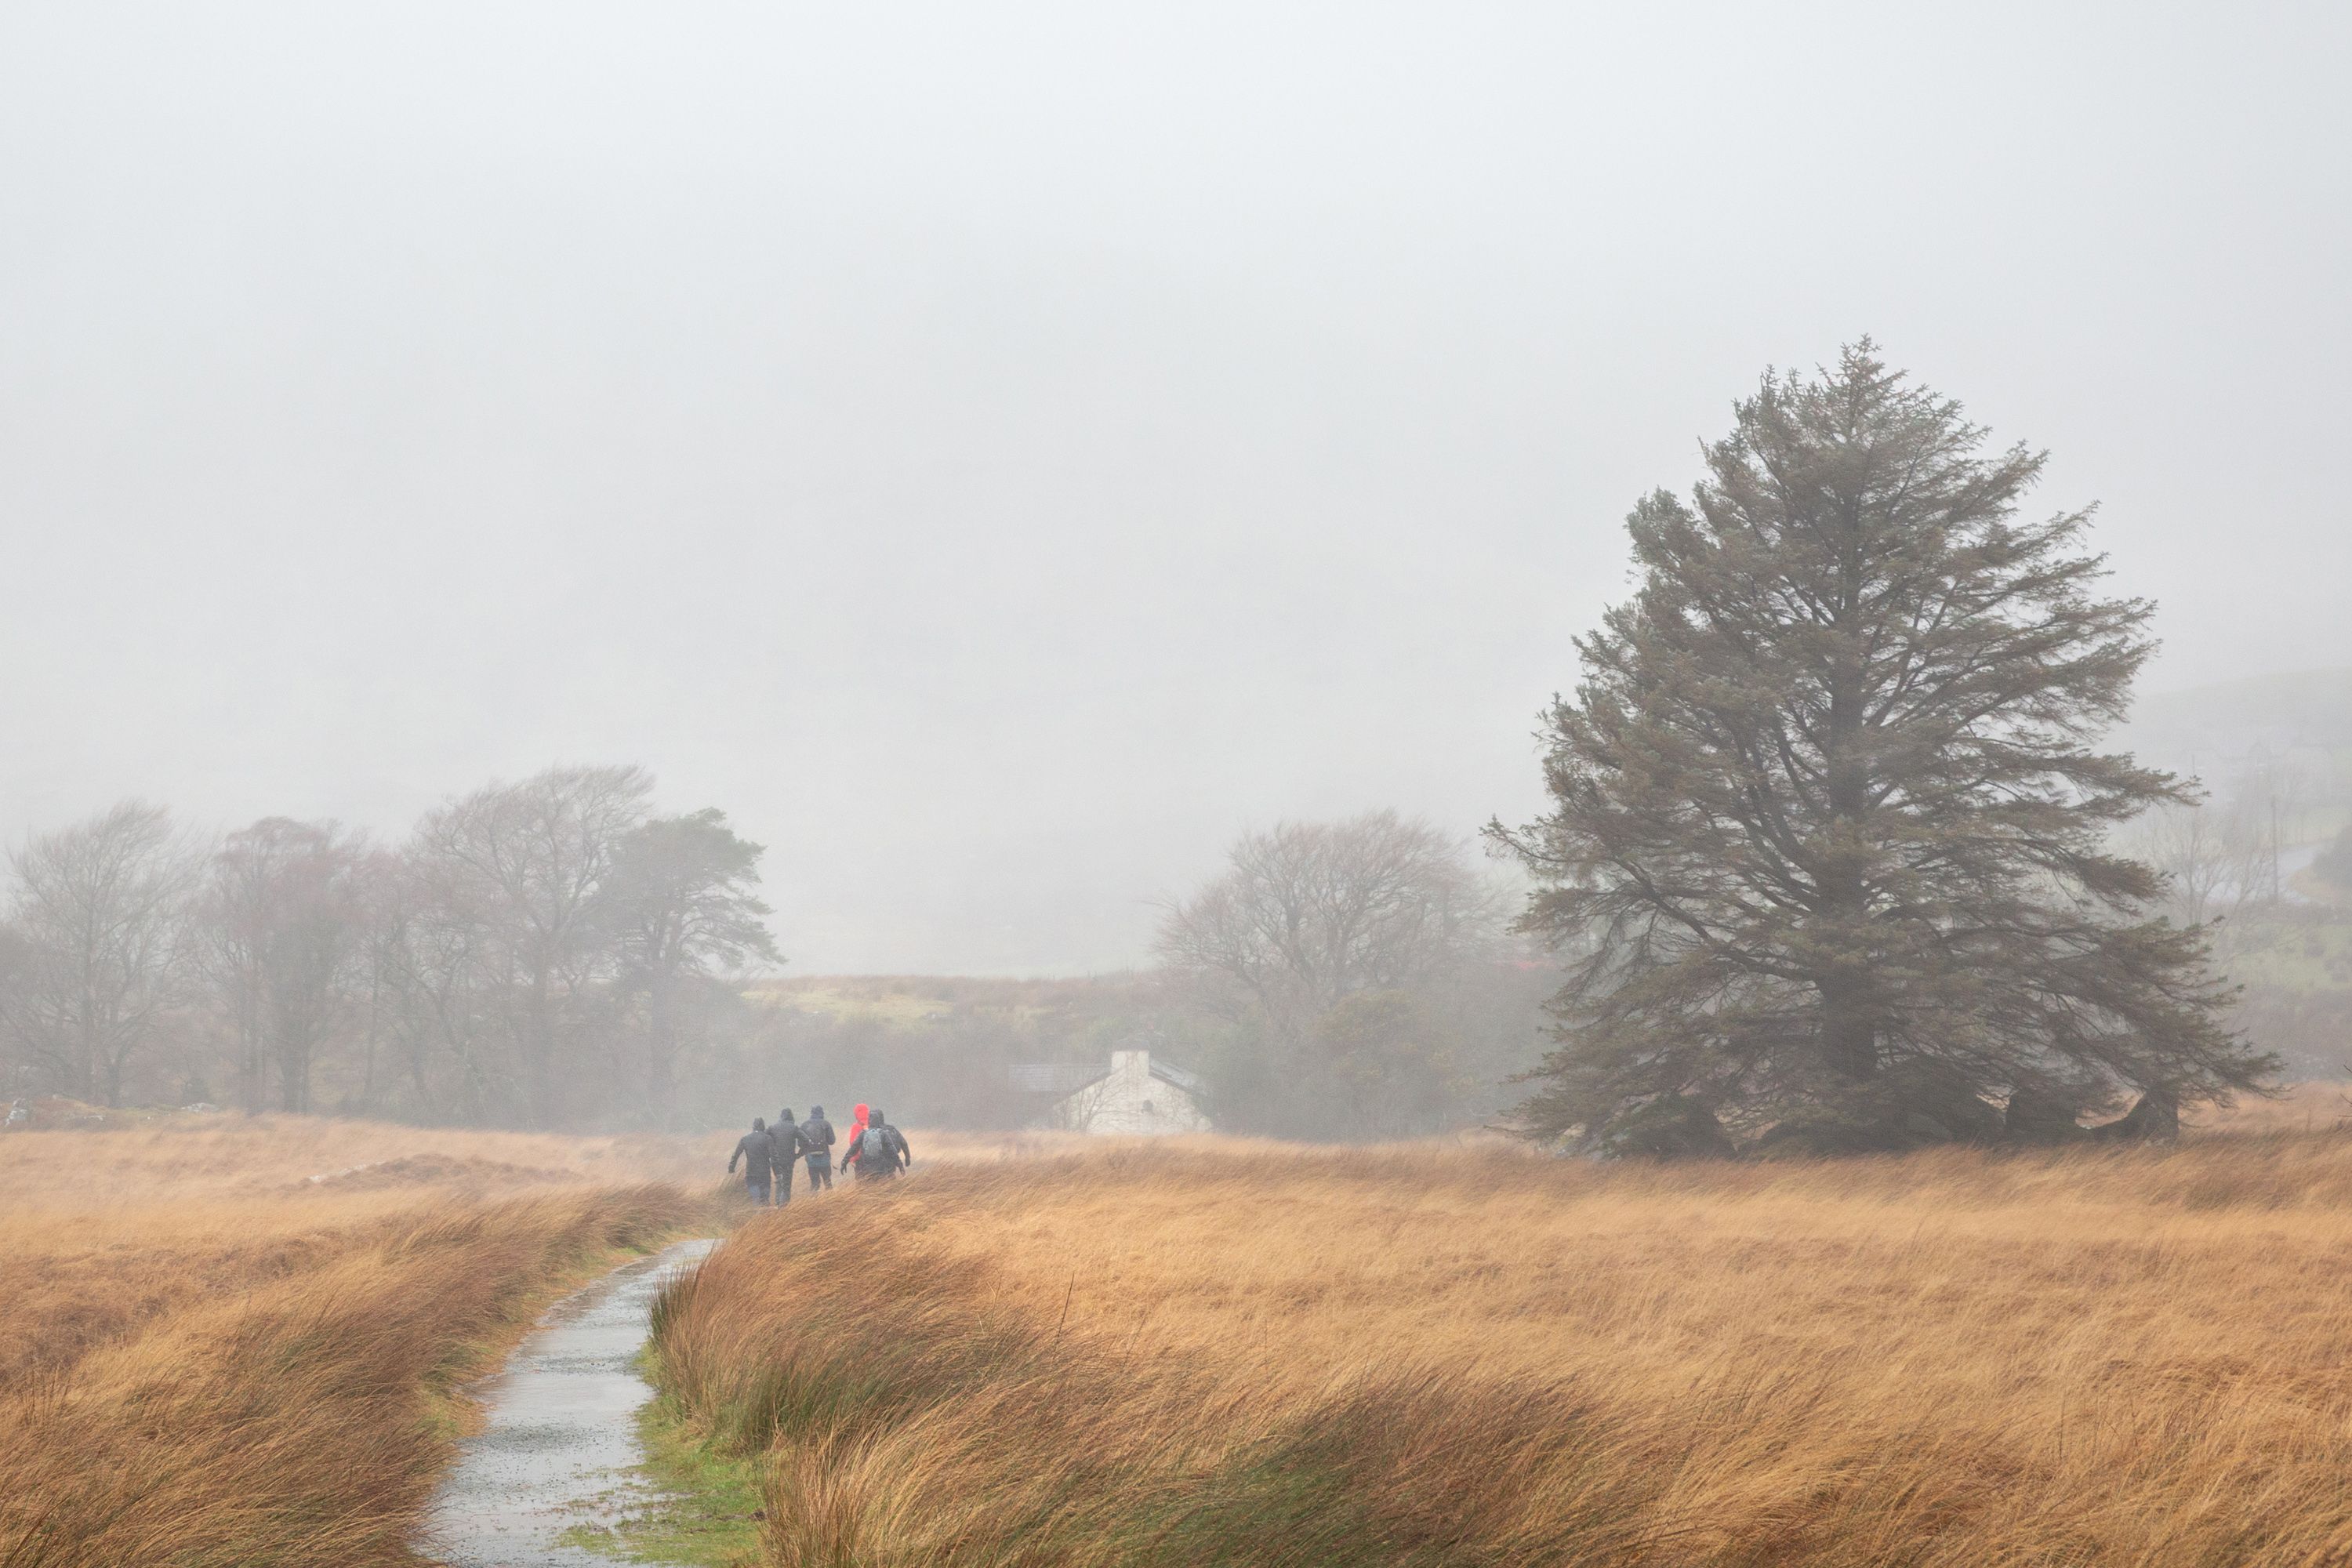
x: 559, y: 1450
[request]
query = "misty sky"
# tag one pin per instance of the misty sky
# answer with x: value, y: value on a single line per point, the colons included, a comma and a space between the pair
x: 999, y: 451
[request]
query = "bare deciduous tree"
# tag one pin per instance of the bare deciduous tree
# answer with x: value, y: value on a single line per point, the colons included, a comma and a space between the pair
x: 2216, y: 859
x: 1311, y: 913
x: 100, y: 909
x: 1344, y: 957
x: 676, y: 904
x: 528, y: 859
x: 432, y: 977
x: 285, y: 923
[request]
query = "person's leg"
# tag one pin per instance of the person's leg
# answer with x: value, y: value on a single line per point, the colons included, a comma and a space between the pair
x: 784, y: 1184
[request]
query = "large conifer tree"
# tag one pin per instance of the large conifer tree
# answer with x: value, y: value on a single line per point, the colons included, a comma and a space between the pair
x: 1828, y: 845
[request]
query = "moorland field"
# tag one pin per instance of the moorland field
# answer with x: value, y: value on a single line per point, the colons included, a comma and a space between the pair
x: 227, y: 1341
x: 228, y: 1345
x: 1224, y: 1354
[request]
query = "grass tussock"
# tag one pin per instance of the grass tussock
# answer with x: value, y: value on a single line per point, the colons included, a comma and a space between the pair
x: 205, y: 1359
x: 1229, y: 1354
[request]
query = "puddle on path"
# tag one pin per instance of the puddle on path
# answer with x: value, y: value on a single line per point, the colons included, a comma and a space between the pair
x: 559, y: 1450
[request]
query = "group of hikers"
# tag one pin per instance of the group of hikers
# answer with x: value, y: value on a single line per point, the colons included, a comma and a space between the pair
x: 875, y: 1150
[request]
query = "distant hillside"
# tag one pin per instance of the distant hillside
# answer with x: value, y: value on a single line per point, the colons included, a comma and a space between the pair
x: 908, y: 999
x: 2216, y: 730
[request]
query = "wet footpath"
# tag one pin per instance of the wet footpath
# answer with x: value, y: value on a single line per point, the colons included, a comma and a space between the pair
x: 558, y: 1453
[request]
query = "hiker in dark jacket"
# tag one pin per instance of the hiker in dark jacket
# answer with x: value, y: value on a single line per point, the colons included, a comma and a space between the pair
x: 881, y: 1150
x: 816, y: 1148
x: 757, y: 1151
x: 786, y: 1137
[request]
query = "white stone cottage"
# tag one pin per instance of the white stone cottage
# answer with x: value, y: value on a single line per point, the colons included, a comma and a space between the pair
x: 1136, y: 1096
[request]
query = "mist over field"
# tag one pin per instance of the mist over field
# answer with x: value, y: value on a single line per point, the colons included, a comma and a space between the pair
x: 1002, y: 454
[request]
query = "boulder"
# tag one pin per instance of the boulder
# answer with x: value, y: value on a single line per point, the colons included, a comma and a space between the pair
x: 1912, y: 1104
x: 1927, y: 1102
x: 2037, y: 1115
x: 2154, y: 1118
x: 1809, y: 1135
x: 1678, y: 1127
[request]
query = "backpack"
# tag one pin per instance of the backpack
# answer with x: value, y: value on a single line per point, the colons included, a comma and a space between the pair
x: 875, y: 1145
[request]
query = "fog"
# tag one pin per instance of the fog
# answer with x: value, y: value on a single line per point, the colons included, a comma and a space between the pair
x: 1001, y: 453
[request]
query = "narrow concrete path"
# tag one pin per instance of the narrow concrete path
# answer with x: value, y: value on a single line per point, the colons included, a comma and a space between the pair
x: 560, y: 1447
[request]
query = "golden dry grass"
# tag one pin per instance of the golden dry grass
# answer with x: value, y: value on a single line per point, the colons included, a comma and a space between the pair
x: 188, y: 1157
x: 1220, y: 1353
x: 206, y: 1358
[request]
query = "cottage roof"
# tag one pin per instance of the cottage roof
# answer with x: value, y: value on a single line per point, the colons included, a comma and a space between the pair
x: 1190, y: 1083
x: 1054, y: 1078
x: 1068, y: 1078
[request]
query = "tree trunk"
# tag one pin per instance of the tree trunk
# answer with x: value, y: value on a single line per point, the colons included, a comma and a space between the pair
x: 252, y: 1086
x: 368, y: 1040
x: 539, y: 1045
x: 1849, y: 1030
x: 660, y: 1066
x: 251, y: 1090
x: 294, y: 1076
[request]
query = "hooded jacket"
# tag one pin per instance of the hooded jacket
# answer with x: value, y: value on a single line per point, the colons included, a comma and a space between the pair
x: 816, y: 1138
x: 891, y: 1157
x: 758, y: 1153
x: 787, y: 1139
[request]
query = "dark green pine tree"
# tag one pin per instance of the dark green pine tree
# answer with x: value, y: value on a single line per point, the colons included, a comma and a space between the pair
x: 1829, y: 845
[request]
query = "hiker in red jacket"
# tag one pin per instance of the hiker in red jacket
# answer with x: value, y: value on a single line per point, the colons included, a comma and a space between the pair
x: 849, y: 1145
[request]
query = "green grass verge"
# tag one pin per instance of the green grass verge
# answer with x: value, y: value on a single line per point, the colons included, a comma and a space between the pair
x: 699, y: 1509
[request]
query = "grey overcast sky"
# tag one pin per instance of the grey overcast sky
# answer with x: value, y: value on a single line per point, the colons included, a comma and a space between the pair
x: 998, y: 451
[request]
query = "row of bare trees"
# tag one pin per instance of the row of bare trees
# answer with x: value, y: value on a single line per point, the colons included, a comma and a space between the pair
x: 544, y: 952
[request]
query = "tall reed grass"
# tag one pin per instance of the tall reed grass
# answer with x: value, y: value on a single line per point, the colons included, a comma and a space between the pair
x: 1206, y: 1354
x: 208, y: 1361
